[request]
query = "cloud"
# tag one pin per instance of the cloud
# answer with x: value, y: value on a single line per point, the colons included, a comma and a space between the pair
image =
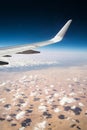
x: 45, y: 59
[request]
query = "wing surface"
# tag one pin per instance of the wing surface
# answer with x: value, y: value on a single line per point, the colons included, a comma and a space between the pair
x: 25, y: 48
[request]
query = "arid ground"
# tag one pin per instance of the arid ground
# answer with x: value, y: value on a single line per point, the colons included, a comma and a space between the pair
x: 47, y: 99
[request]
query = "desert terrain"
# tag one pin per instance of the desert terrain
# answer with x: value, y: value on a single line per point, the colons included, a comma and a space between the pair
x: 46, y: 99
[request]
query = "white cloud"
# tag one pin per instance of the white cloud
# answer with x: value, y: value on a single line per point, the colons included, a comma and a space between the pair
x: 46, y: 58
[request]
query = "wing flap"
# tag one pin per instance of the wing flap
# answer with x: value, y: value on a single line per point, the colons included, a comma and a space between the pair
x: 3, y: 63
x: 28, y: 52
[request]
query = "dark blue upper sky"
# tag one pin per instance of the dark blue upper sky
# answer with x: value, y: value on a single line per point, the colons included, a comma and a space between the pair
x: 37, y: 20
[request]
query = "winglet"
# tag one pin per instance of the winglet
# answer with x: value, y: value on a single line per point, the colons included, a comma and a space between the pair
x: 59, y: 36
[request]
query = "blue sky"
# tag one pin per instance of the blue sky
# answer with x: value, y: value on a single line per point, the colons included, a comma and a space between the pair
x: 32, y: 21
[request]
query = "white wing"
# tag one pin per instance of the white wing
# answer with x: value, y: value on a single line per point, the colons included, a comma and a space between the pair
x: 24, y: 49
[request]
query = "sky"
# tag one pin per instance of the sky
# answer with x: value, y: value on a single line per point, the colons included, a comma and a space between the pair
x: 29, y: 21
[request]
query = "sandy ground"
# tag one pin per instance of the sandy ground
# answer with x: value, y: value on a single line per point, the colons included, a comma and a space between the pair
x: 50, y: 99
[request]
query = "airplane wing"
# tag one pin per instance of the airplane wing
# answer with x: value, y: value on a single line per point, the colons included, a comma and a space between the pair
x: 28, y: 48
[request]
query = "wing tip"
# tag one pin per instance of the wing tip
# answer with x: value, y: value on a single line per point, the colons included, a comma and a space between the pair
x: 59, y: 36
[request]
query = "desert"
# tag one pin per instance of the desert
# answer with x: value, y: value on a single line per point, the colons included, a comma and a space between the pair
x: 46, y: 99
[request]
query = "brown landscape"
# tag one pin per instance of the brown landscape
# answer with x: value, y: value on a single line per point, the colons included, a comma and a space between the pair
x: 48, y: 99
